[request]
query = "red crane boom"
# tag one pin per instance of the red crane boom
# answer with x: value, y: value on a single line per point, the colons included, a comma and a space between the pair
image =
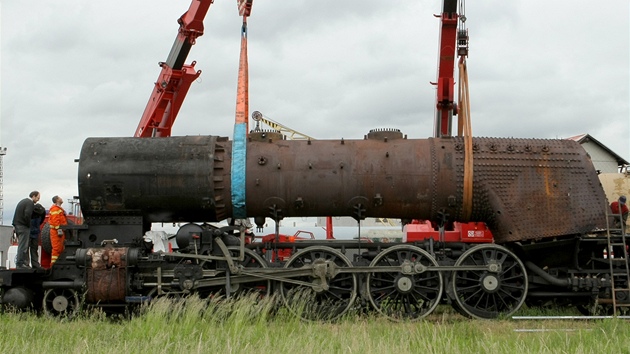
x: 176, y: 77
x: 450, y: 39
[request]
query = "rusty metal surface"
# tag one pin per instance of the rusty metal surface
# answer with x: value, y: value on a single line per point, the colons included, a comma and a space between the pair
x: 533, y: 188
x: 106, y: 274
x: 160, y: 179
x: 523, y: 188
x: 359, y: 178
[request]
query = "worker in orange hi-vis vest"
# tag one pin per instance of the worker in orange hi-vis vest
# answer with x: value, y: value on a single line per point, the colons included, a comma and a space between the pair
x: 56, y: 219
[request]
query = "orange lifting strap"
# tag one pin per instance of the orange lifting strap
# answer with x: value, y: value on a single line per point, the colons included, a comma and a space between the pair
x: 242, y: 91
x: 241, y: 124
x: 464, y: 128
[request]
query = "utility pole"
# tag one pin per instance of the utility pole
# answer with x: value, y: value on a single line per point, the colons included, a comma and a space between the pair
x: 3, y: 151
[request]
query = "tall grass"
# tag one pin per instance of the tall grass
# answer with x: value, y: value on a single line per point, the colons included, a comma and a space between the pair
x: 252, y: 325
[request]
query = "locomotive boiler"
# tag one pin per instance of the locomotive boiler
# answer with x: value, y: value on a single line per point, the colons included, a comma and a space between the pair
x: 540, y: 200
x: 523, y: 188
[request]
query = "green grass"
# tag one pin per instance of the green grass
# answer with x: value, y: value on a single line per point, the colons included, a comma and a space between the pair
x: 253, y: 326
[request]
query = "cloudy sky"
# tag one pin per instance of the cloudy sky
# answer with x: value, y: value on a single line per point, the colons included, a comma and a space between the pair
x: 72, y: 69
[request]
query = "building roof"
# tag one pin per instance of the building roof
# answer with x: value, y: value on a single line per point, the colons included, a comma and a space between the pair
x: 585, y: 138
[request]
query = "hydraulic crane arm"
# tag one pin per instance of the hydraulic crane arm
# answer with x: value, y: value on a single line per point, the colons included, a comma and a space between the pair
x: 450, y: 39
x: 176, y: 77
x: 454, y: 43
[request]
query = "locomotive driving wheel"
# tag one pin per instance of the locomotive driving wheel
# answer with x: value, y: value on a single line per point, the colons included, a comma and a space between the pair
x: 408, y: 295
x: 324, y: 295
x: 497, y: 291
x: 61, y: 302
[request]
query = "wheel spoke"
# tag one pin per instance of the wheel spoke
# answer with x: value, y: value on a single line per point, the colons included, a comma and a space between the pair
x: 468, y: 289
x: 509, y: 294
x: 388, y: 295
x: 470, y: 278
x: 423, y: 295
x: 507, y: 270
x: 504, y: 302
x: 513, y: 286
x: 473, y: 295
x: 383, y: 288
x: 514, y: 277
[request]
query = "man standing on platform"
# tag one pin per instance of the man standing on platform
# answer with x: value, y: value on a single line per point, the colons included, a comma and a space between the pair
x: 22, y: 226
x: 57, y: 218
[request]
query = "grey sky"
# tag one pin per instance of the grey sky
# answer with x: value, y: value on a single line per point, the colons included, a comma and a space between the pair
x: 73, y: 69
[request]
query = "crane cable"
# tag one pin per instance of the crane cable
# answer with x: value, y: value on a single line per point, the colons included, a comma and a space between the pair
x: 465, y: 129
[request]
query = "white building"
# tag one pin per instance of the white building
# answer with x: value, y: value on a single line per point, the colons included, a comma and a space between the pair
x: 604, y: 159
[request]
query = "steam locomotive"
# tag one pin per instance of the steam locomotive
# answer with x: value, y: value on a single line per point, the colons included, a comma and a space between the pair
x: 531, y: 230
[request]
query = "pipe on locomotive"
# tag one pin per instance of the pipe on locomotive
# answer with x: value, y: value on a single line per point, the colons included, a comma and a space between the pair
x: 523, y: 188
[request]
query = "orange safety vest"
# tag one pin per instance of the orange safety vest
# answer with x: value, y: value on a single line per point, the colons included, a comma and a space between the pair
x: 57, y: 217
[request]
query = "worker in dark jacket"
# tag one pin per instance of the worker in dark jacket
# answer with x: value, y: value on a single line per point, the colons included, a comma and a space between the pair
x: 22, y: 226
x: 39, y: 214
x: 620, y: 210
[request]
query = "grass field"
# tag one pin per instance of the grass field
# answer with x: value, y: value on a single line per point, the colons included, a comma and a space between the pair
x: 199, y: 326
